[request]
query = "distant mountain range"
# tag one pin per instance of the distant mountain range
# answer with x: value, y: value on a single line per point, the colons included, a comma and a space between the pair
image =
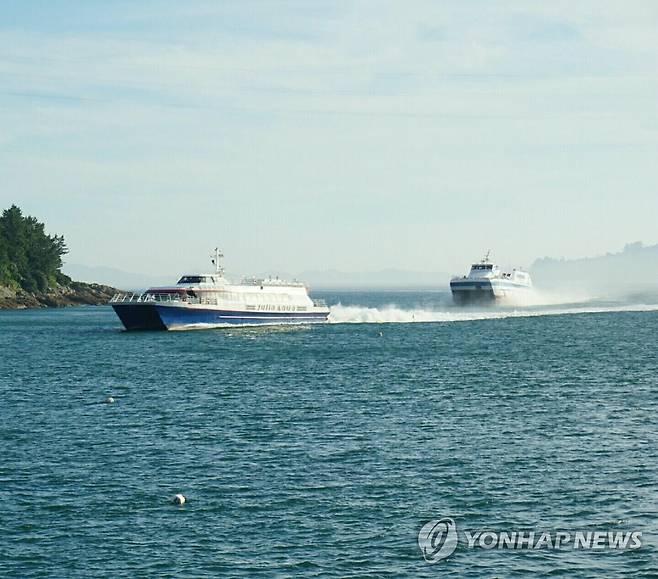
x: 330, y: 279
x: 114, y: 277
x: 388, y: 278
x: 636, y: 265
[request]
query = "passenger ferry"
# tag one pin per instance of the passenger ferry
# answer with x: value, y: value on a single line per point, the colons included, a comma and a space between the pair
x: 209, y: 300
x: 486, y: 282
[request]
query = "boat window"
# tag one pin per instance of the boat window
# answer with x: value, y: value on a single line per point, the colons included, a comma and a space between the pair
x: 190, y: 279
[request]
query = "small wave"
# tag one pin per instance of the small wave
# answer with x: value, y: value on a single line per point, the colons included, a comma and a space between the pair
x: 200, y: 326
x: 255, y: 327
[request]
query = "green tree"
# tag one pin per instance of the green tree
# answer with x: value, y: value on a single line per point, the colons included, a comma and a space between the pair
x: 30, y: 259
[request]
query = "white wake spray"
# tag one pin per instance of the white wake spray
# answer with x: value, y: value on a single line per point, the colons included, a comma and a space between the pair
x: 536, y: 297
x: 341, y: 314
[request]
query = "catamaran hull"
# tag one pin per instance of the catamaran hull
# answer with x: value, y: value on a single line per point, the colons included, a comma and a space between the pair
x: 486, y: 291
x: 170, y: 317
x: 139, y: 316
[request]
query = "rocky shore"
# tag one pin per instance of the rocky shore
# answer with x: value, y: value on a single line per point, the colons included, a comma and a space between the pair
x: 74, y: 294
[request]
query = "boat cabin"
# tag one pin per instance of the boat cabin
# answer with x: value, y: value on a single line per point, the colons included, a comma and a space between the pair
x: 484, y: 270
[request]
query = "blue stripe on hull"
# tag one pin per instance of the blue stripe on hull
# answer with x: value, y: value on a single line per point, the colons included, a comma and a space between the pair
x: 486, y: 284
x: 177, y: 317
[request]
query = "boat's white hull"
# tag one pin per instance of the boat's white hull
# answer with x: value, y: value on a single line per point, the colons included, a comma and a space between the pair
x: 177, y: 316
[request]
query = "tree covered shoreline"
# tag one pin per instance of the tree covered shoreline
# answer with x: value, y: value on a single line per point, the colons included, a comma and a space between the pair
x: 30, y: 267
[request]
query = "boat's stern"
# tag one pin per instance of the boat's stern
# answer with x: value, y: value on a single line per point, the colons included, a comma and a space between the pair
x: 469, y: 291
x: 320, y: 311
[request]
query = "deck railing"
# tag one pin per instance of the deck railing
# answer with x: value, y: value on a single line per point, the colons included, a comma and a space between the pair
x: 148, y: 297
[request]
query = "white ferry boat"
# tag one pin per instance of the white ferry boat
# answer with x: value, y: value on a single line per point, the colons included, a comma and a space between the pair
x: 486, y: 282
x: 207, y: 300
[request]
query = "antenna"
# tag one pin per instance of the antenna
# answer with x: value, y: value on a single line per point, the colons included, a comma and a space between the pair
x: 486, y: 257
x: 216, y: 256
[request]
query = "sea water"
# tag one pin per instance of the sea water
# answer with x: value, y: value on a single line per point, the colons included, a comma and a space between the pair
x: 323, y: 450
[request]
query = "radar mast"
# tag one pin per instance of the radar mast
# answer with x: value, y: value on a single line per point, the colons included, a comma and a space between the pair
x: 216, y: 256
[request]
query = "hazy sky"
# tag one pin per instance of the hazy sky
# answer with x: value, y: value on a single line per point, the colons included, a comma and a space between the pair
x: 320, y: 135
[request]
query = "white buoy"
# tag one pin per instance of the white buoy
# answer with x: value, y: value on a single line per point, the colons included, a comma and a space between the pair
x: 381, y: 334
x: 110, y: 400
x: 179, y: 499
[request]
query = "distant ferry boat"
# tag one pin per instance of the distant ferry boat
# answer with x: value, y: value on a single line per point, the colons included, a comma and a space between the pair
x: 206, y: 300
x: 486, y: 282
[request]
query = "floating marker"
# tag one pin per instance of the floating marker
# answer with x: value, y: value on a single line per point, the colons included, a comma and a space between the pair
x: 179, y: 499
x: 110, y: 400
